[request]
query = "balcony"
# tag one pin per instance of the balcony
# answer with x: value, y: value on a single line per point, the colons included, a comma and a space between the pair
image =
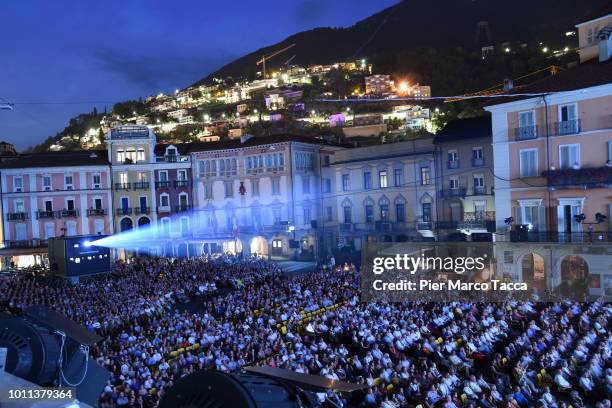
x: 447, y: 225
x: 275, y: 228
x: 173, y: 158
x: 181, y: 183
x: 453, y: 164
x: 96, y: 212
x: 453, y: 192
x: 382, y: 226
x: 590, y: 177
x: 17, y: 216
x: 275, y: 169
x: 561, y: 237
x: 345, y: 226
x: 40, y: 215
x: 424, y: 226
x: 478, y: 161
x: 480, y: 190
x: 122, y: 186
x: 526, y: 132
x: 69, y: 213
x: 25, y: 243
x: 367, y: 226
x: 478, y: 221
x: 142, y: 210
x: 162, y: 184
x: 402, y: 226
x: 182, y: 208
x: 141, y: 185
x: 124, y: 211
x: 567, y: 127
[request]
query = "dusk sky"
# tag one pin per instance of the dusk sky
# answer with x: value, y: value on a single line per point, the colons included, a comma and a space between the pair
x: 61, y: 58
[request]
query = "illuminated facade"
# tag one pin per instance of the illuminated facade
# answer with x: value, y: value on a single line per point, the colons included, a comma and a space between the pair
x: 465, y: 192
x: 553, y: 155
x: 173, y: 199
x: 258, y: 195
x: 132, y: 157
x: 46, y: 195
x: 381, y: 193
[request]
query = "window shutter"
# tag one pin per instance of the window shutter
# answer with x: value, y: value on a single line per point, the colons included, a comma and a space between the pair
x: 541, y: 218
x: 519, y: 216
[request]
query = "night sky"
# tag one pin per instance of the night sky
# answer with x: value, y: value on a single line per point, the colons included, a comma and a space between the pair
x: 104, y: 52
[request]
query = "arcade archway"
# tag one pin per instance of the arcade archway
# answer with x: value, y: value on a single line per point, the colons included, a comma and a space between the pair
x: 142, y: 221
x: 574, y: 276
x: 126, y: 224
x: 259, y: 246
x: 532, y: 267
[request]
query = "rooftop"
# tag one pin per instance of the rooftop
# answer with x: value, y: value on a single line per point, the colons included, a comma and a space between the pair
x: 254, y: 141
x: 585, y: 75
x: 460, y: 129
x: 603, y: 11
x: 129, y: 132
x: 56, y: 159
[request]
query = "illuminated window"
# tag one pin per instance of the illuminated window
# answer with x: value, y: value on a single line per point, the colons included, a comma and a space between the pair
x: 130, y: 155
x: 141, y: 154
x: 382, y: 179
x: 425, y: 176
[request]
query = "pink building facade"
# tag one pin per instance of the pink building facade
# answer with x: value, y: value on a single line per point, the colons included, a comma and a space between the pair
x: 53, y: 194
x: 553, y: 155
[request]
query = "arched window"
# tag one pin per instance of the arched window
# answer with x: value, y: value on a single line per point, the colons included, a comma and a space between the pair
x: 126, y: 224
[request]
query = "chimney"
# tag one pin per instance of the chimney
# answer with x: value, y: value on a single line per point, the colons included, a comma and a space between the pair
x: 508, y: 85
x: 245, y: 137
x: 605, y: 43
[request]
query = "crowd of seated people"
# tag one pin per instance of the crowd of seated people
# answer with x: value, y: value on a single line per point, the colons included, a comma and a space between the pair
x: 432, y: 354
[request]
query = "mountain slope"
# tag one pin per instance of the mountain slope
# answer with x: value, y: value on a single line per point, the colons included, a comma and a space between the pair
x: 412, y: 24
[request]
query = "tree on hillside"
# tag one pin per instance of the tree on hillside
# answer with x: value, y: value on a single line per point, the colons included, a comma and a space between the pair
x: 127, y: 108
